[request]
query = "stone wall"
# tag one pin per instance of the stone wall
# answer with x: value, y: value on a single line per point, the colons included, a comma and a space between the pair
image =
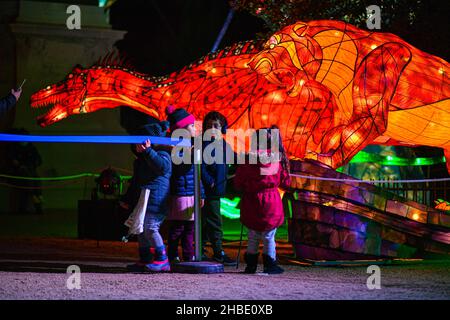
x: 40, y: 48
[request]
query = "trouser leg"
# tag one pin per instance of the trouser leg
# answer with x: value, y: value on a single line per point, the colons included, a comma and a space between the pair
x: 175, y: 230
x: 214, y: 225
x: 253, y: 241
x: 187, y: 240
x: 268, y: 238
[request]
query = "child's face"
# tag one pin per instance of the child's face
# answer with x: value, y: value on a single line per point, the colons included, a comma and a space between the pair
x: 216, y: 127
x: 191, y: 129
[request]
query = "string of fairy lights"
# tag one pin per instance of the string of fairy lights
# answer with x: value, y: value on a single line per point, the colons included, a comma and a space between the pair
x: 229, y: 207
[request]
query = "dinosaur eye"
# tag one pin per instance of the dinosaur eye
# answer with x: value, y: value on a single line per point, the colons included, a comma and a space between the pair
x: 48, y: 88
x: 272, y: 42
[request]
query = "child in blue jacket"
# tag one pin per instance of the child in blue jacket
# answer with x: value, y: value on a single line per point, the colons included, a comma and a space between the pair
x: 153, y: 171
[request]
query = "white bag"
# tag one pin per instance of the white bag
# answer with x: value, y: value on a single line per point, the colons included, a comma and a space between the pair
x: 135, y: 221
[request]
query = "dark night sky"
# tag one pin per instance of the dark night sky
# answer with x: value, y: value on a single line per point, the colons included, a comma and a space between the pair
x: 164, y: 36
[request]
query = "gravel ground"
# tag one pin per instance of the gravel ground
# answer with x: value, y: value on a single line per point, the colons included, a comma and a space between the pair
x: 35, y: 268
x: 108, y: 281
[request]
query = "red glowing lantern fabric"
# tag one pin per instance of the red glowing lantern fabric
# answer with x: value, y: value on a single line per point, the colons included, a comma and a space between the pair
x: 331, y: 88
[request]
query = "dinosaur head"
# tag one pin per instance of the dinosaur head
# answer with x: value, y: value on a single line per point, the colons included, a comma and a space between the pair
x: 66, y: 96
x: 289, y: 58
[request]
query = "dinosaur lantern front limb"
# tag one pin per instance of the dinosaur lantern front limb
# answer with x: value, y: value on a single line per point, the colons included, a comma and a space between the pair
x: 374, y: 85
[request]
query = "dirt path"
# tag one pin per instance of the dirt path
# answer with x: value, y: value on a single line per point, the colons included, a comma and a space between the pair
x: 107, y: 281
x: 36, y: 269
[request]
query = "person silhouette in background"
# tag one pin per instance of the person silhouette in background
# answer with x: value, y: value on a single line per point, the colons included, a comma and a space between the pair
x: 9, y: 101
x: 22, y: 160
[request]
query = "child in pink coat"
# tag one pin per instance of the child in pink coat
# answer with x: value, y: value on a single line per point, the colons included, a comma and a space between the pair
x: 261, y: 206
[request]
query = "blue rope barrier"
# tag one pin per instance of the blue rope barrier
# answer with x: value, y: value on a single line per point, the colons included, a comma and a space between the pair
x: 95, y: 139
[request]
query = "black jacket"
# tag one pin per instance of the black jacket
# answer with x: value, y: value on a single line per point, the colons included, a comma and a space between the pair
x: 6, y: 104
x: 214, y: 176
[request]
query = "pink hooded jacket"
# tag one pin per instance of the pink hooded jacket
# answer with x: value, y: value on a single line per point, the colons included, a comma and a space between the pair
x: 261, y: 206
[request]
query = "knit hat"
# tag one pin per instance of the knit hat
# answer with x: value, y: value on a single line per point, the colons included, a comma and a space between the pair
x: 178, y: 118
x: 135, y: 126
x: 157, y: 129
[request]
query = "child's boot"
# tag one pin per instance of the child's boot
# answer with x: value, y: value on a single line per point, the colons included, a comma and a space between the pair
x: 271, y: 266
x: 146, y: 256
x: 252, y: 262
x: 221, y: 257
x: 160, y: 262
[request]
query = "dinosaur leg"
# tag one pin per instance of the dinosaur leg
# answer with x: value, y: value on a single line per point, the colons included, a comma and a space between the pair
x: 373, y: 88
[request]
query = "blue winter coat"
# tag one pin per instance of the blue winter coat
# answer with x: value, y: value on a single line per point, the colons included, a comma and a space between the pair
x: 153, y: 171
x: 182, y: 181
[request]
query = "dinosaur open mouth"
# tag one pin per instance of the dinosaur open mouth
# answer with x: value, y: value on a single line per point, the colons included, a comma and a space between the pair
x: 56, y: 113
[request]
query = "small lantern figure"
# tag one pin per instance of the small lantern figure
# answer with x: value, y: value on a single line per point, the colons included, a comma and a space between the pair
x: 108, y: 183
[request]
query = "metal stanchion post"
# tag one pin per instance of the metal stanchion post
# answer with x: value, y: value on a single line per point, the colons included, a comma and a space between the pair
x: 197, y: 200
x: 197, y: 266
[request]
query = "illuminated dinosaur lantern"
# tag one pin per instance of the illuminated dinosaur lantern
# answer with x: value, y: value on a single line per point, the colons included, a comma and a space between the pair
x: 331, y: 88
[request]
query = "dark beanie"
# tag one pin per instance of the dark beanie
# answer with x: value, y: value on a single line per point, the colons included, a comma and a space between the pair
x: 178, y: 118
x: 137, y: 128
x: 158, y: 129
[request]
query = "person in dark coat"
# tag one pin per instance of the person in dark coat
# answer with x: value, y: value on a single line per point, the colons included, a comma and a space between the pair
x: 22, y: 160
x: 214, y: 178
x: 9, y: 101
x: 261, y: 206
x: 153, y: 169
x: 129, y: 200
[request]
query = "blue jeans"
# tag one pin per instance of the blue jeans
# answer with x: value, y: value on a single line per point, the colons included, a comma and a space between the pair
x: 268, y: 238
x: 151, y: 236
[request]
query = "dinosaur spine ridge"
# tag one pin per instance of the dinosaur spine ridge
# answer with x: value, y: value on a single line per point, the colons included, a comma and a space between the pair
x: 120, y: 61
